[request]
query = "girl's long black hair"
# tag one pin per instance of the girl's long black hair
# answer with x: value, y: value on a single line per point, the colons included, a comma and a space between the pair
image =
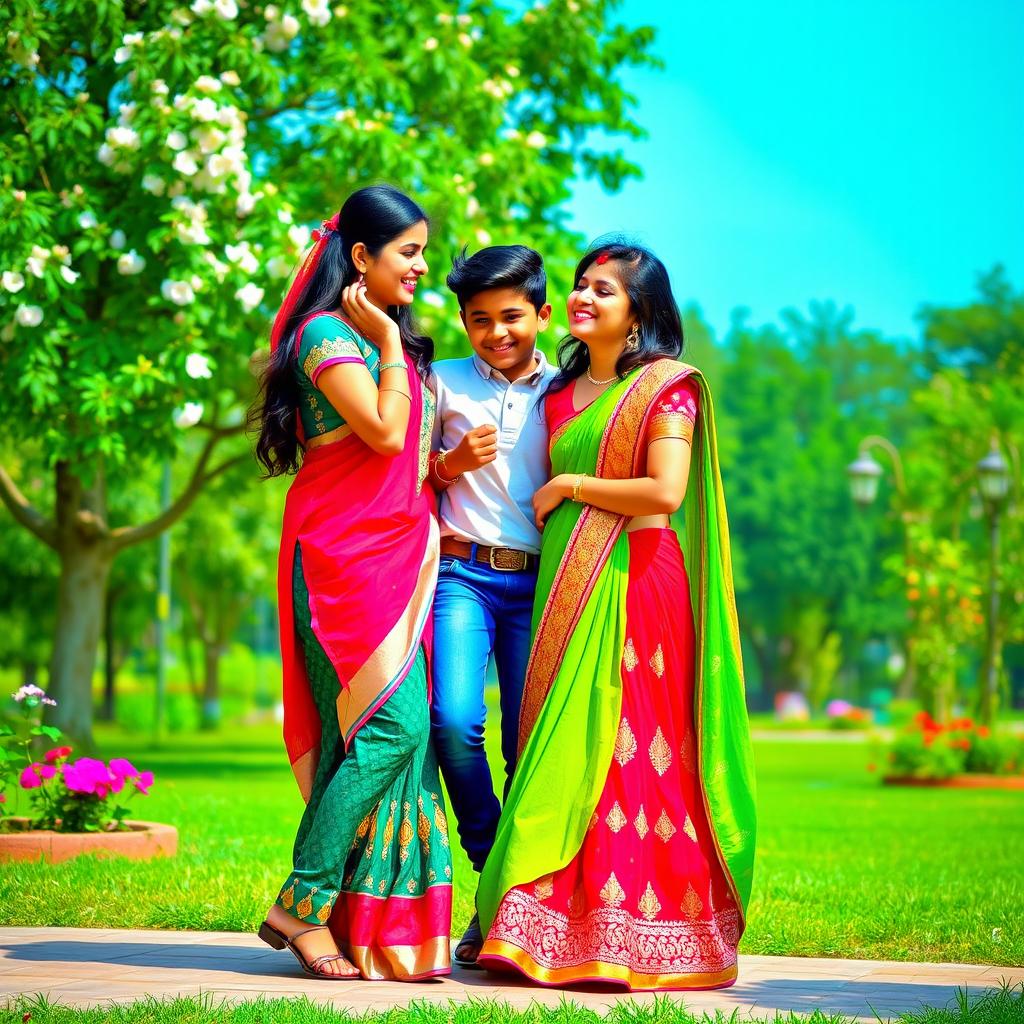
x: 374, y: 216
x: 650, y: 295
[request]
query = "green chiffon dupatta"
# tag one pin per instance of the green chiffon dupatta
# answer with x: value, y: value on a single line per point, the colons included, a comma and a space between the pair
x: 573, y: 696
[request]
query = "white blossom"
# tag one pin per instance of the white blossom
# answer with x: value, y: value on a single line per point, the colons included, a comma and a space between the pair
x: 202, y: 7
x: 430, y: 44
x: 486, y: 159
x: 188, y: 415
x: 122, y: 54
x: 226, y: 9
x: 87, y: 220
x: 317, y: 11
x: 298, y: 235
x: 197, y: 366
x: 250, y: 296
x: 185, y: 163
x: 20, y: 195
x: 536, y: 140
x: 70, y: 276
x: 464, y: 19
x: 205, y: 109
x: 207, y: 83
x: 511, y: 70
x: 36, y: 265
x: 153, y: 184
x: 28, y: 316
x: 208, y: 138
x: 279, y: 34
x: 230, y: 78
x: 472, y: 206
x: 465, y: 39
x: 12, y: 281
x: 219, y: 268
x: 159, y: 87
x: 483, y: 237
x: 118, y: 240
x: 106, y: 155
x: 243, y: 257
x: 444, y: 18
x: 130, y: 263
x: 177, y: 140
x: 122, y: 137
x: 245, y: 204
x: 178, y: 292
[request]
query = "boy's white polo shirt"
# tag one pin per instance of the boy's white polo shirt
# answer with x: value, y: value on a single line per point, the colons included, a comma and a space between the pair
x: 493, y: 505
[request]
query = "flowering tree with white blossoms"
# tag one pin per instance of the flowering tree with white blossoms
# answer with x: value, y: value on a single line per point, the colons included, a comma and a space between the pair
x: 158, y: 163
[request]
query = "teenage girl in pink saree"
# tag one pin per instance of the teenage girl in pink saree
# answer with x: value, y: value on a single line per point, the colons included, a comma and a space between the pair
x: 625, y: 847
x: 369, y: 892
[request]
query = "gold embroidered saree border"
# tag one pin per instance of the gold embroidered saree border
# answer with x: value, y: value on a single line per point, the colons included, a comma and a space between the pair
x: 401, y: 963
x: 598, y: 970
x: 592, y: 539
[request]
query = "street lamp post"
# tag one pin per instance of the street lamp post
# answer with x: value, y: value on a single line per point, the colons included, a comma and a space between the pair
x: 864, y: 474
x: 994, y: 484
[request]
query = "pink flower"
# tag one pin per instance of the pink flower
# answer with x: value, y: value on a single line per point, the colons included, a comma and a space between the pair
x: 143, y: 782
x: 3, y: 798
x: 122, y: 767
x: 57, y: 754
x: 87, y: 775
x: 33, y: 776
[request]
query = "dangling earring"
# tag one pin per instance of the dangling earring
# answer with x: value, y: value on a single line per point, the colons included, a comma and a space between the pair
x: 633, y: 338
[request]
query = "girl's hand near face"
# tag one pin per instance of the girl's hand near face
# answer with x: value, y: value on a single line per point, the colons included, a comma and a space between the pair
x: 371, y: 321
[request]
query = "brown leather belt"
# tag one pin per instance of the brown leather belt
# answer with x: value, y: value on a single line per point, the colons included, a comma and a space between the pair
x: 505, y: 559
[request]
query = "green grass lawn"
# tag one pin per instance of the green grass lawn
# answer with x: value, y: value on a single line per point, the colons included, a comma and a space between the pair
x: 845, y: 867
x: 996, y: 1007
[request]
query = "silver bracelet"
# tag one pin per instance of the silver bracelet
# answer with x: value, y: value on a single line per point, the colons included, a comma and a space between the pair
x: 392, y: 366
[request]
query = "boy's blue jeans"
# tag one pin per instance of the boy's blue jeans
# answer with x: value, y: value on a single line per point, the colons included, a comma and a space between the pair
x: 478, y: 610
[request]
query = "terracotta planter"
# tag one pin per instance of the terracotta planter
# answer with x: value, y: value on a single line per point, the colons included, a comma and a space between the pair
x: 142, y: 841
x: 972, y: 781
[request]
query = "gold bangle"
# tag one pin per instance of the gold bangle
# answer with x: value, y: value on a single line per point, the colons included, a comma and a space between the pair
x: 442, y: 455
x: 398, y: 391
x: 577, y: 488
x: 392, y: 366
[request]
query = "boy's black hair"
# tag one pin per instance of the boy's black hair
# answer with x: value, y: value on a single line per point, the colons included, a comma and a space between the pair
x: 499, y: 266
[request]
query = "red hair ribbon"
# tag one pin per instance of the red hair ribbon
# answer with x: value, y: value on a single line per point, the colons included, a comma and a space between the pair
x: 602, y: 258
x: 306, y: 271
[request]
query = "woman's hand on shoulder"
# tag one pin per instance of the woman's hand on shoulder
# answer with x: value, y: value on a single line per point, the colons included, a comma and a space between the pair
x: 370, y: 320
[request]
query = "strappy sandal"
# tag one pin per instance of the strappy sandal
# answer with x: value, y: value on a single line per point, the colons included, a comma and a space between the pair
x: 278, y: 940
x: 472, y: 936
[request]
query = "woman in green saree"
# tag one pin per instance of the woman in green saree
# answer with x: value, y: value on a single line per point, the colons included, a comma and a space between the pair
x: 625, y: 849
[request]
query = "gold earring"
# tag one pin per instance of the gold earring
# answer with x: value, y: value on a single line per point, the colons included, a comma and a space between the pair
x: 633, y: 338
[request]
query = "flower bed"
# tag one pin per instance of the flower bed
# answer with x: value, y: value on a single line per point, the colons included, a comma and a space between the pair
x: 84, y: 797
x: 959, y: 753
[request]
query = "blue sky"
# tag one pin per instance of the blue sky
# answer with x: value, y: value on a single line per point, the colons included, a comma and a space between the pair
x: 869, y: 153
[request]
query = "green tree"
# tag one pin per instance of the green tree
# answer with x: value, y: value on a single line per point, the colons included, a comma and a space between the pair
x: 157, y: 162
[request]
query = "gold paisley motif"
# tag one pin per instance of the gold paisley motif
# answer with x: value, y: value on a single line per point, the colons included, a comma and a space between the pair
x: 411, y: 885
x: 689, y: 829
x: 660, y: 752
x: 364, y: 825
x: 716, y: 664
x: 368, y: 881
x: 383, y: 885
x: 544, y: 888
x: 305, y: 906
x: 405, y: 833
x: 325, y: 912
x: 664, y: 829
x: 629, y: 658
x: 648, y: 904
x: 616, y: 820
x: 423, y: 827
x: 692, y: 904
x: 657, y: 661
x: 287, y: 897
x: 611, y: 892
x: 593, y: 821
x: 431, y: 875
x: 640, y: 823
x: 625, y: 744
x: 447, y: 871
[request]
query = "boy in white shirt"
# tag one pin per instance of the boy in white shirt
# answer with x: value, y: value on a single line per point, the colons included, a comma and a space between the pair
x: 492, y: 455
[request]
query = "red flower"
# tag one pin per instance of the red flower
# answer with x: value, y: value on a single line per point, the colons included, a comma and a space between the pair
x: 57, y: 754
x: 983, y: 732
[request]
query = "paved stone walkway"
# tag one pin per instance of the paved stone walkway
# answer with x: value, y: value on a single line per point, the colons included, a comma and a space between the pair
x: 89, y: 967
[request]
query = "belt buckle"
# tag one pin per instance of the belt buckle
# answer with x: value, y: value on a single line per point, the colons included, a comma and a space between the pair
x: 507, y: 559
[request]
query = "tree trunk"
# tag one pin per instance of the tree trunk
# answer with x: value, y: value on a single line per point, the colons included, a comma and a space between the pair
x: 86, y: 556
x: 108, y: 710
x: 83, y: 580
x: 210, y: 711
